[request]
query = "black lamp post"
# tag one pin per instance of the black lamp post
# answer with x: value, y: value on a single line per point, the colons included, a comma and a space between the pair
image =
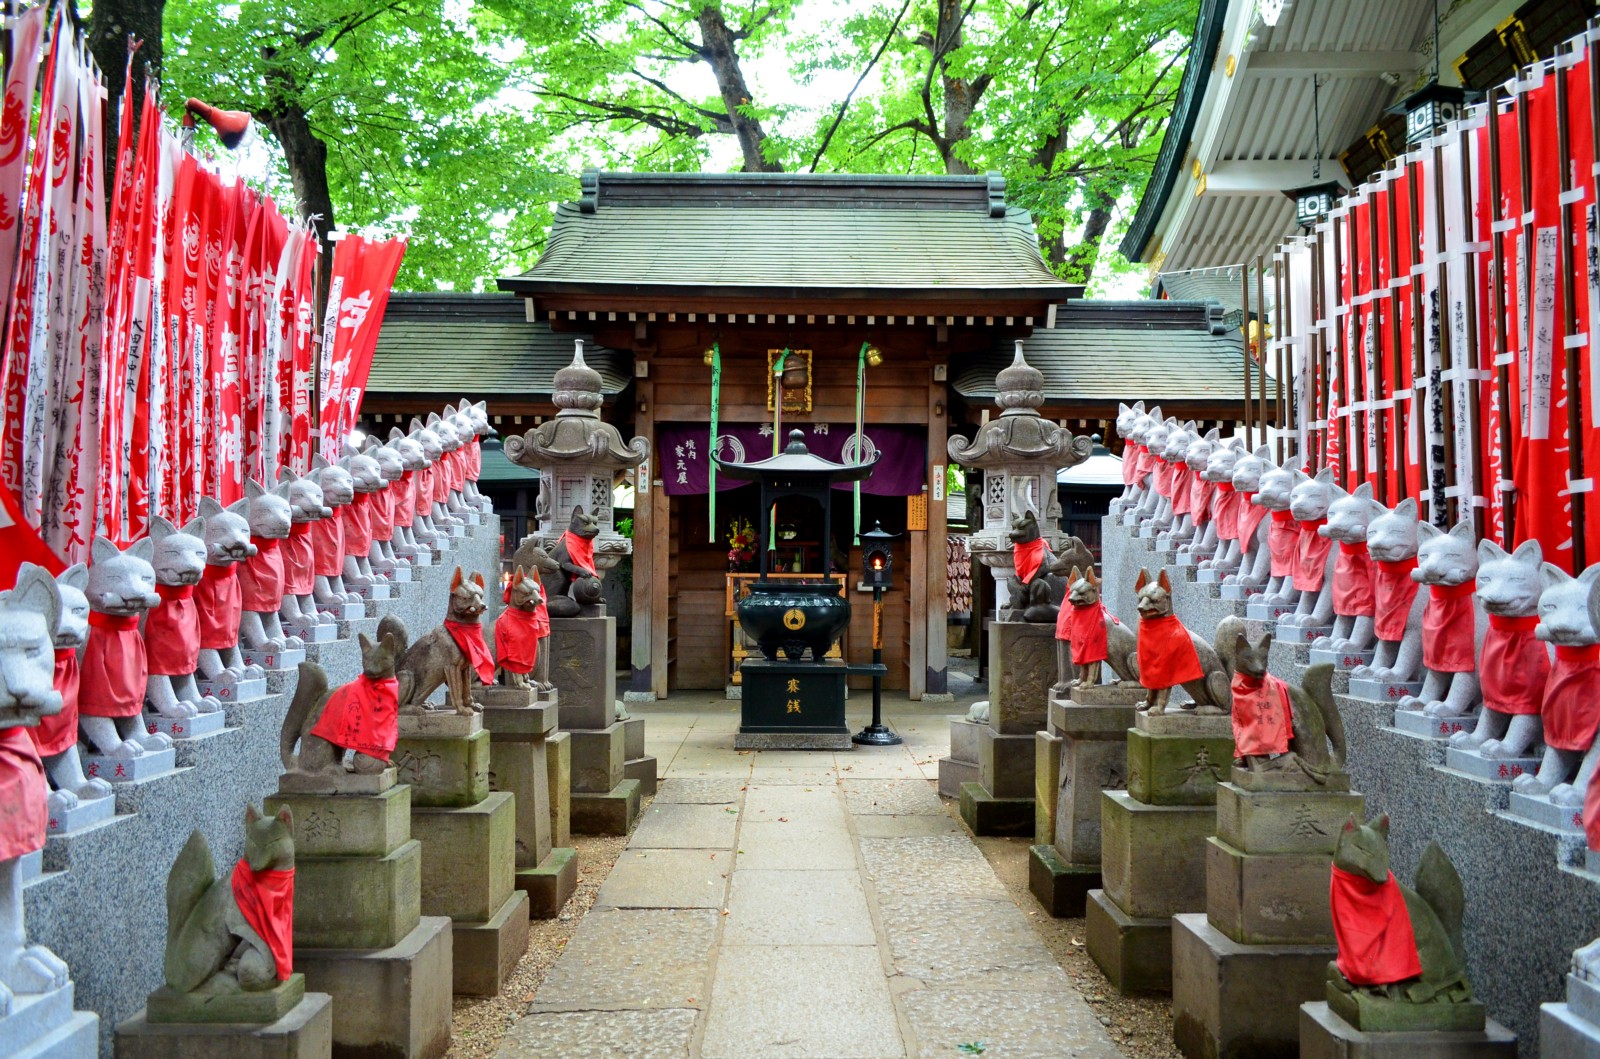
x: 877, y: 569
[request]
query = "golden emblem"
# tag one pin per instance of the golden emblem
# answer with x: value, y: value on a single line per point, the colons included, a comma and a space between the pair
x: 794, y: 619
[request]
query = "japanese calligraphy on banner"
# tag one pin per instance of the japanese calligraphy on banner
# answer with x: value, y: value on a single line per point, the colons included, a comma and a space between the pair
x: 363, y: 271
x: 686, y: 469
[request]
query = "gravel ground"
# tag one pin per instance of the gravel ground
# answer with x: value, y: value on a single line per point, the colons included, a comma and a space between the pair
x: 1141, y: 1026
x: 478, y: 1023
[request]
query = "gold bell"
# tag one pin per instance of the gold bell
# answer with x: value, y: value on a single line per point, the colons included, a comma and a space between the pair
x: 709, y: 357
x: 874, y: 358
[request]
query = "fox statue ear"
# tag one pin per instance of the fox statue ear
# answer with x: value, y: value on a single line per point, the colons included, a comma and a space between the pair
x: 286, y: 817
x: 1350, y: 824
x: 1529, y: 552
x: 366, y: 644
x: 455, y: 582
x: 1489, y: 551
x: 1164, y: 581
x: 250, y: 813
x: 1382, y: 825
x: 477, y: 579
x: 1092, y: 579
x: 1551, y: 575
x: 1075, y: 575
x: 1143, y: 579
x: 1407, y: 507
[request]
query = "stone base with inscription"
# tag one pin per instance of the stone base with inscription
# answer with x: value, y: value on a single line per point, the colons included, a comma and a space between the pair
x: 358, y: 926
x: 1022, y: 666
x: 1419, y: 724
x: 792, y: 706
x: 1324, y: 1035
x: 1087, y: 745
x: 305, y: 1031
x: 469, y: 845
x: 1241, y: 971
x: 518, y: 724
x: 583, y: 664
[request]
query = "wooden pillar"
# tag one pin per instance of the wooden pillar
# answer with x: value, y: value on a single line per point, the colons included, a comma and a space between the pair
x: 661, y: 568
x: 938, y: 593
x: 647, y: 579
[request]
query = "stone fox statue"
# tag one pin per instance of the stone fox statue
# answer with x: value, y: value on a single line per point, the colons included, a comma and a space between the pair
x: 215, y: 945
x: 1436, y: 972
x: 450, y: 655
x: 575, y: 583
x: 364, y: 720
x: 1095, y: 636
x: 1201, y: 669
x: 1267, y: 741
x: 538, y: 565
x: 1037, y: 586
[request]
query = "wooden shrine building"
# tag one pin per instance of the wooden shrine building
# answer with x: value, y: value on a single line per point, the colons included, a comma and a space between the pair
x: 935, y: 276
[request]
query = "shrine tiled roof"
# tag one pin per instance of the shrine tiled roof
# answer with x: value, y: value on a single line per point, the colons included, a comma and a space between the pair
x: 783, y: 234
x: 1106, y: 351
x: 478, y: 345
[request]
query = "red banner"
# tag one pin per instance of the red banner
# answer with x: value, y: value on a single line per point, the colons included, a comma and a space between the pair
x: 363, y: 272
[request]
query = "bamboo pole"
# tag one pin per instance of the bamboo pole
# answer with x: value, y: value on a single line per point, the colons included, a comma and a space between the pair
x: 1467, y: 375
x: 1442, y: 398
x: 1261, y: 344
x: 1497, y: 333
x: 1244, y: 332
x: 1569, y: 324
x: 1375, y: 417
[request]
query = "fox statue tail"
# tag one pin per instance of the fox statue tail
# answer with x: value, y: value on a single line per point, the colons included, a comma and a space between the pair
x: 309, y: 692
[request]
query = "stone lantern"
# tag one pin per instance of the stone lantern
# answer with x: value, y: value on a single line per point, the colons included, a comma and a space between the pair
x: 1019, y: 453
x: 577, y: 455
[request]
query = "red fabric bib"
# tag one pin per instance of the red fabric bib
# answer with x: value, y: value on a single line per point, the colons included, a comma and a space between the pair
x: 1167, y: 656
x: 364, y: 716
x: 1263, y: 720
x: 1282, y: 537
x: 172, y: 632
x: 1086, y: 628
x: 441, y: 480
x: 1373, y: 929
x: 267, y: 900
x: 114, y: 668
x: 1311, y: 556
x: 516, y: 640
x: 1591, y: 810
x: 1147, y: 465
x: 24, y: 816
x: 581, y: 551
x: 299, y: 560
x: 1200, y: 494
x: 1250, y: 516
x: 261, y: 578
x: 1225, y: 509
x: 1354, y: 592
x: 1026, y: 557
x: 1163, y: 473
x: 1515, y: 665
x: 404, y: 512
x: 1130, y: 462
x: 383, y: 503
x: 1182, y: 479
x: 327, y: 545
x: 468, y: 636
x: 356, y: 525
x: 1447, y: 628
x: 1393, y: 590
x: 475, y: 459
x: 1572, y: 698
x: 219, y: 602
x: 423, y: 491
x: 54, y: 734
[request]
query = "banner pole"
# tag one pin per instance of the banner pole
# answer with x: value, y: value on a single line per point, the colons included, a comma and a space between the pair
x: 1441, y: 402
x: 1418, y: 368
x: 716, y: 399
x: 1350, y: 453
x: 1569, y: 324
x: 1261, y: 345
x: 1497, y: 333
x: 1244, y: 334
x: 1377, y: 421
x: 1283, y: 320
x: 1469, y: 372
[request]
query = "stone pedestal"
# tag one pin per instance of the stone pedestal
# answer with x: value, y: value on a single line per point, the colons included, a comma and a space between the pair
x: 792, y: 706
x: 583, y: 668
x: 358, y: 927
x: 518, y: 726
x: 1241, y: 971
x: 1324, y: 1035
x: 469, y: 845
x: 1087, y: 744
x: 558, y: 769
x: 1571, y: 1030
x: 962, y: 765
x: 1153, y: 845
x: 44, y: 1026
x: 305, y: 1031
x: 1022, y: 666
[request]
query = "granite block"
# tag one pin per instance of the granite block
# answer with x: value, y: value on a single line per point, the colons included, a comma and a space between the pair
x: 347, y: 825
x: 360, y: 902
x: 388, y: 1002
x: 1022, y: 666
x: 44, y: 1026
x: 483, y: 955
x: 610, y: 813
x: 558, y: 767
x: 550, y: 883
x: 305, y: 1032
x: 1419, y: 724
x: 985, y: 814
x: 1153, y: 857
x: 1060, y: 887
x: 1094, y: 759
x: 1135, y: 954
x: 443, y: 770
x: 1046, y: 784
x: 583, y: 667
x: 1005, y: 764
x: 1165, y: 769
x: 468, y: 857
x: 1324, y: 1035
x: 953, y: 775
x: 597, y: 759
x: 1283, y: 821
x: 1265, y: 899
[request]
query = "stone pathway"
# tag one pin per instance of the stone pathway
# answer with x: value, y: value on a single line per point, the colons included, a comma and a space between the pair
x: 802, y: 904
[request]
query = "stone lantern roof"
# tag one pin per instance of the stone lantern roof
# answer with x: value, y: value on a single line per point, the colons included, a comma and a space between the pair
x: 576, y: 435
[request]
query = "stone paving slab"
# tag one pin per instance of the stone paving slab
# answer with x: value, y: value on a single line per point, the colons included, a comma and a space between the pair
x: 633, y: 958
x: 666, y: 878
x: 687, y: 791
x: 948, y: 865
x: 876, y: 764
x: 797, y: 908
x: 686, y: 827
x: 795, y: 846
x: 818, y: 806
x: 891, y: 797
x: 601, y: 1035
x: 987, y: 943
x: 814, y: 775
x: 801, y: 1002
x: 1051, y: 1024
x: 904, y: 826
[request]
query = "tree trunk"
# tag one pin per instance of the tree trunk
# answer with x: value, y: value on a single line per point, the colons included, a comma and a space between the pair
x: 718, y: 42
x: 1082, y: 258
x: 111, y: 23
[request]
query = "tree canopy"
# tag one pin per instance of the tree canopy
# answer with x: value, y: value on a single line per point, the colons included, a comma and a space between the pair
x: 460, y: 121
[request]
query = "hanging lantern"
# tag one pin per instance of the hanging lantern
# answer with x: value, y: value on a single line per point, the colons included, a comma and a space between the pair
x: 1430, y: 108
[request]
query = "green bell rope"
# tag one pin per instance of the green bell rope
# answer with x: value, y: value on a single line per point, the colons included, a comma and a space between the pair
x: 861, y: 397
x: 777, y: 440
x: 716, y: 399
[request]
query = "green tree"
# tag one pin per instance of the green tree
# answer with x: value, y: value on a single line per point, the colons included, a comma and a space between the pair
x: 392, y: 113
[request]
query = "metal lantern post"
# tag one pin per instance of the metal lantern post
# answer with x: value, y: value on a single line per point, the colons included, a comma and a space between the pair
x: 877, y: 569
